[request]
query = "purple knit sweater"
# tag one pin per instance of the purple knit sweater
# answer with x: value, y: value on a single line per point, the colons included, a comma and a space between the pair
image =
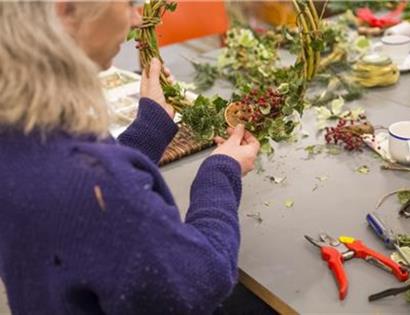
x: 90, y: 227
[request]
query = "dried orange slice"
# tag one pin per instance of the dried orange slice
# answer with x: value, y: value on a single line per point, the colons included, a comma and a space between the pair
x: 236, y: 113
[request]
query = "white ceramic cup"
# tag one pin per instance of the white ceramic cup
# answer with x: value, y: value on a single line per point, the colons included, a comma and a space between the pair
x: 397, y: 47
x: 399, y: 141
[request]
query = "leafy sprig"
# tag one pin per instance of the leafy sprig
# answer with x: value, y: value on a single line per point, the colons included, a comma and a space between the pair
x: 377, y: 5
x: 206, y: 117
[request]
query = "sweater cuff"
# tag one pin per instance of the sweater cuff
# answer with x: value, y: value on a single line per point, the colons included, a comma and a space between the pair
x: 229, y: 167
x: 152, y: 113
x: 151, y: 131
x: 223, y: 162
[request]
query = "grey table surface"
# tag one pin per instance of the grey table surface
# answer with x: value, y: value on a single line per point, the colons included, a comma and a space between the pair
x: 274, y: 252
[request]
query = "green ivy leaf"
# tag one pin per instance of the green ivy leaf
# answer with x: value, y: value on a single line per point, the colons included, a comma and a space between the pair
x: 337, y: 106
x: 404, y: 196
x: 265, y: 110
x: 364, y: 169
x: 132, y: 34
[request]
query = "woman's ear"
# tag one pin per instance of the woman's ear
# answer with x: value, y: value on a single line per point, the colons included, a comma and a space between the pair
x: 67, y: 12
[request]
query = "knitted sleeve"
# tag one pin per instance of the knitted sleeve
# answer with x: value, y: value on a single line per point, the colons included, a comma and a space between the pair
x: 151, y: 131
x: 182, y: 268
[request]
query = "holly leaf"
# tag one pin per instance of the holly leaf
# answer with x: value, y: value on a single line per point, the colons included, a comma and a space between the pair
x: 289, y: 203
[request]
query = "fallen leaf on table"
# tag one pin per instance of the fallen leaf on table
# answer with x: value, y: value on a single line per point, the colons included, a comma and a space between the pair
x: 404, y: 196
x: 313, y: 150
x: 333, y: 150
x: 396, y: 256
x: 289, y: 203
x: 256, y: 216
x: 267, y: 203
x: 305, y: 134
x: 322, y: 178
x: 276, y: 180
x: 364, y: 169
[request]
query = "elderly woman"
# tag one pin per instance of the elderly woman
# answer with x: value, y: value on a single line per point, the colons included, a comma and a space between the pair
x: 87, y: 224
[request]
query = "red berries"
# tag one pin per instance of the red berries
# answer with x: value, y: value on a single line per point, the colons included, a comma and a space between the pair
x: 348, y: 132
x: 262, y: 104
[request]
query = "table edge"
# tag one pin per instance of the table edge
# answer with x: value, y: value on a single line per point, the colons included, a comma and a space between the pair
x: 265, y: 295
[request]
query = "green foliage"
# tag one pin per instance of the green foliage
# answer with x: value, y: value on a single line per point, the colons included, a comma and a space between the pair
x: 206, y: 117
x: 248, y: 58
x: 406, y: 12
x: 341, y: 6
x: 407, y: 296
x: 133, y: 34
x: 403, y: 240
x: 249, y: 61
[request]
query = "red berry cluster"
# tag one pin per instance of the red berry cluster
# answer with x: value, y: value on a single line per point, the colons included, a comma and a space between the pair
x: 261, y: 104
x: 348, y: 132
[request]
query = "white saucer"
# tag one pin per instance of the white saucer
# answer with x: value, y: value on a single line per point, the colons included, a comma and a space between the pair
x: 379, y: 144
x: 405, y: 66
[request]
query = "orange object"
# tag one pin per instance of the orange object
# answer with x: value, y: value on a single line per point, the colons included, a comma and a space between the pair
x: 192, y: 19
x: 275, y: 12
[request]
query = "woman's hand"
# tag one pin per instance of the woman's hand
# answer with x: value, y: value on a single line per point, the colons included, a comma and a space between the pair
x: 242, y: 146
x: 151, y: 87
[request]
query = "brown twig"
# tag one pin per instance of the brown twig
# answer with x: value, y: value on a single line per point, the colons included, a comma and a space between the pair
x: 383, y: 199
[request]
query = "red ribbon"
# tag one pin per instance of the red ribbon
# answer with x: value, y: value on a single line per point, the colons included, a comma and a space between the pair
x: 392, y: 18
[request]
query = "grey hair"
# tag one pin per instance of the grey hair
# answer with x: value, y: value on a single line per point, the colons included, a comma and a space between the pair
x: 46, y: 81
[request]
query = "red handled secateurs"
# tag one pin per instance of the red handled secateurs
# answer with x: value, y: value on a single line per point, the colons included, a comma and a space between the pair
x: 336, y: 252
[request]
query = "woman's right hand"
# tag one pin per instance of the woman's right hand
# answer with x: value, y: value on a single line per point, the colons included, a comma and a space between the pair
x: 151, y: 87
x: 242, y: 146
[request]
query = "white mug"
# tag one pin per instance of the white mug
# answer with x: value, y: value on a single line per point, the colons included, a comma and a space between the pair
x: 399, y: 141
x: 397, y: 47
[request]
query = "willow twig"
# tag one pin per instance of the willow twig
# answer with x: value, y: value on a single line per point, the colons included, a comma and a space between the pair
x: 383, y: 199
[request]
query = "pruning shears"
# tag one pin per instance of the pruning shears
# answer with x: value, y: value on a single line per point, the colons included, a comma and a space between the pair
x: 336, y: 251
